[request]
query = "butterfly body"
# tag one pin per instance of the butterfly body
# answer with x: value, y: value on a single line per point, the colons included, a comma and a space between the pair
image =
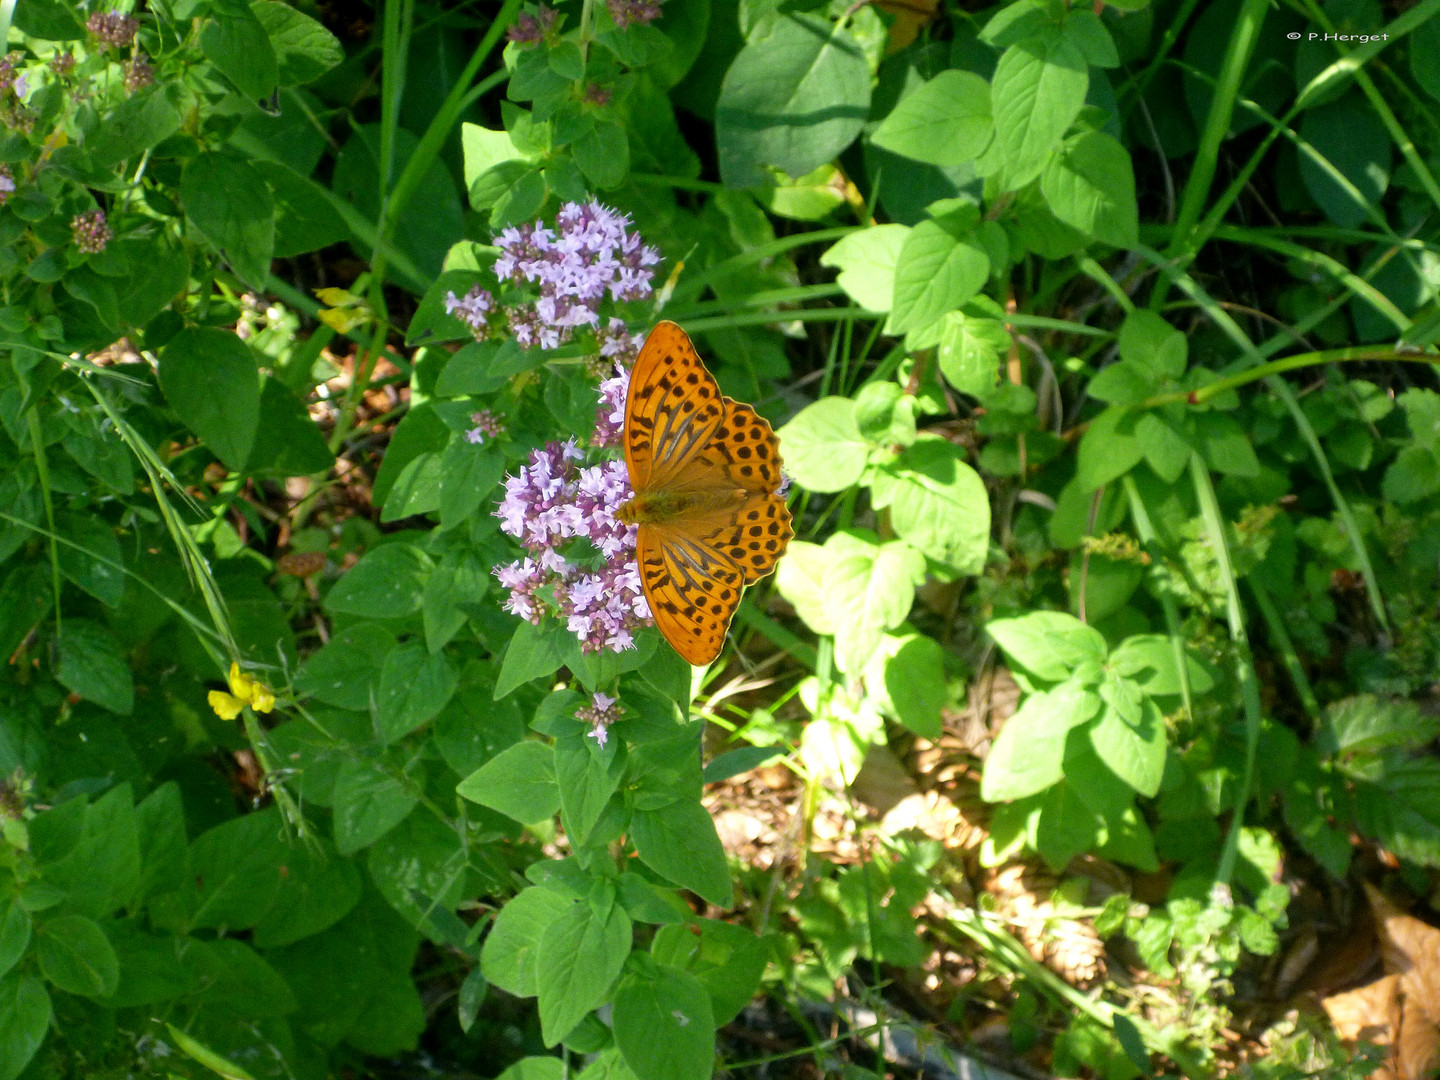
x: 675, y: 507
x: 706, y: 475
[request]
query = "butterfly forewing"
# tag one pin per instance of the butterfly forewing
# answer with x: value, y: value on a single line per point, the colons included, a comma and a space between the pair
x: 672, y: 409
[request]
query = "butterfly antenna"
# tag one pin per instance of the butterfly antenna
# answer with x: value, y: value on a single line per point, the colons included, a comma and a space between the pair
x: 663, y: 296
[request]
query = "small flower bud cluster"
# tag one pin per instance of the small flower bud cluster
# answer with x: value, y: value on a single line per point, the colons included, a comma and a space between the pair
x: 113, y: 28
x: 531, y: 29
x: 627, y: 12
x: 7, y: 184
x: 599, y: 714
x: 91, y: 231
x: 138, y: 73
x: 62, y: 63
x: 487, y: 426
x: 589, y: 255
x: 7, y: 73
x: 548, y: 506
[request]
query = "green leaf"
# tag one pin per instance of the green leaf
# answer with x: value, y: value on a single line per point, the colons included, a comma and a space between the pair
x: 387, y: 583
x: 1050, y: 644
x: 1091, y: 37
x: 142, y: 120
x: 14, y: 934
x: 368, y: 803
x: 937, y: 272
x: 801, y: 580
x: 938, y: 503
x: 24, y: 1019
x: 1066, y: 826
x: 1148, y: 660
x: 1029, y: 753
x: 229, y: 202
x: 1350, y: 140
x: 77, y: 957
x: 469, y: 476
x: 728, y: 960
x: 345, y: 671
x: 1151, y: 343
x: 484, y: 149
x: 236, y: 43
x: 1366, y: 724
x: 738, y: 762
x: 305, y: 215
x: 587, y: 782
x: 293, y: 445
x: 793, y: 98
x: 473, y: 992
x: 1167, y: 451
x: 680, y: 844
x: 664, y: 1025
x: 1109, y: 448
x: 211, y: 380
x: 603, y: 154
x: 1134, y: 751
x: 913, y: 680
x: 866, y: 259
x: 419, y: 867
x: 92, y: 665
x: 945, y: 122
x: 508, y: 957
x: 1413, y: 475
x: 970, y: 352
x: 867, y: 593
x: 415, y: 685
x: 1038, y: 90
x: 533, y: 652
x: 317, y: 891
x: 92, y: 559
x: 518, y: 782
x: 304, y: 49
x: 1425, y: 57
x: 1090, y: 186
x: 822, y: 446
x: 1225, y: 446
x: 578, y: 957
x: 237, y: 870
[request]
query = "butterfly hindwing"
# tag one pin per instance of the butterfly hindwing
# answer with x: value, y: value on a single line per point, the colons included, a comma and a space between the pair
x: 692, y: 589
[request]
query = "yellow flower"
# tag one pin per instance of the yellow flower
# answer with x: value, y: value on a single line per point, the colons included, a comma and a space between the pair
x: 244, y: 690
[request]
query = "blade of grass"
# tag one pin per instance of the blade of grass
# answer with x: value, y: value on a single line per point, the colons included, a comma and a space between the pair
x: 42, y: 467
x: 1217, y: 532
x: 1150, y: 541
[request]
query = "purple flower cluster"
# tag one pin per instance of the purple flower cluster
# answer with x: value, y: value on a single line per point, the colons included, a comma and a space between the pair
x: 139, y: 73
x: 113, y: 28
x: 531, y: 29
x: 487, y: 426
x: 626, y: 12
x: 91, y: 231
x: 7, y: 184
x: 551, y: 503
x: 7, y: 73
x: 599, y: 714
x: 62, y: 63
x: 473, y: 309
x: 590, y: 254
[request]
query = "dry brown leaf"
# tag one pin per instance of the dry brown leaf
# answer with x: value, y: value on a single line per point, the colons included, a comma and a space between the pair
x: 1371, y: 1013
x: 1418, y: 1046
x: 1411, y: 949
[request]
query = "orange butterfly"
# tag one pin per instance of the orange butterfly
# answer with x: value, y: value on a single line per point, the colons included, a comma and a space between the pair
x: 705, y: 471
